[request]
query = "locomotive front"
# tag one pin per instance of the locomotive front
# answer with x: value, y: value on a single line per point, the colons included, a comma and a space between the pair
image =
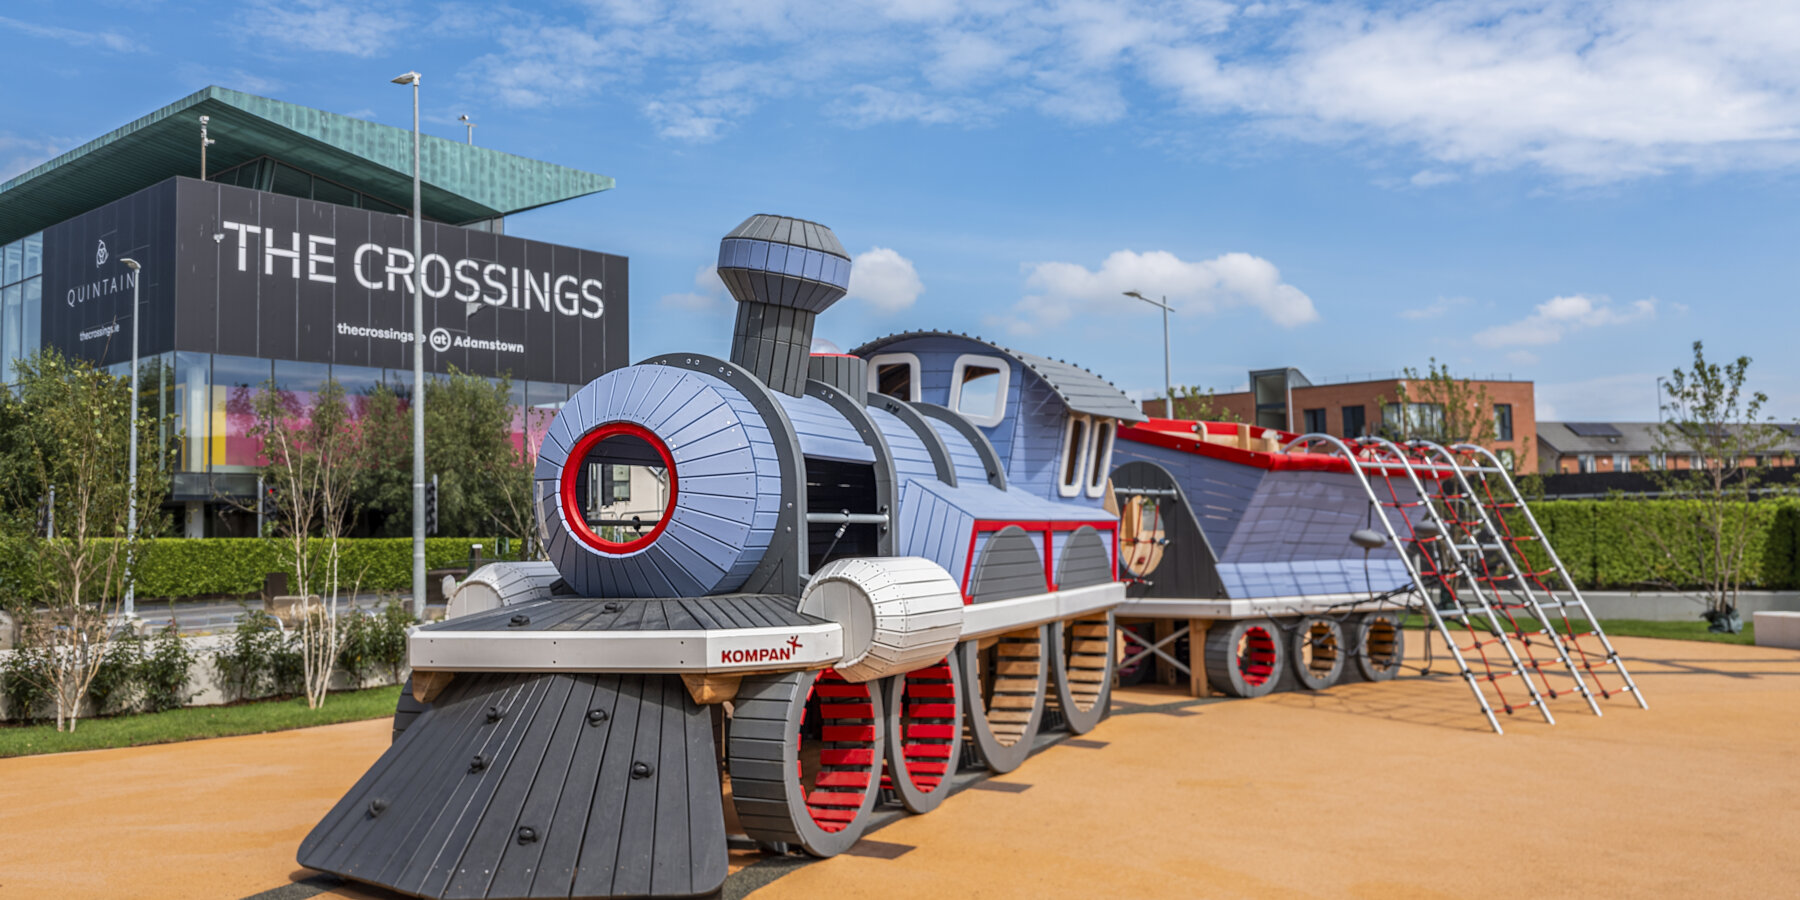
x: 726, y: 610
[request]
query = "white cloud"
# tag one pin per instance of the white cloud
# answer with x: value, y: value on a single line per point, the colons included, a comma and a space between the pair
x: 327, y: 26
x: 1588, y: 92
x: 20, y: 154
x: 1436, y: 308
x: 1558, y: 317
x: 708, y: 295
x: 75, y: 37
x: 884, y: 280
x: 1060, y: 290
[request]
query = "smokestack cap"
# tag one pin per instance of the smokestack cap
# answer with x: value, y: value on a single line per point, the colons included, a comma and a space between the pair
x: 783, y: 261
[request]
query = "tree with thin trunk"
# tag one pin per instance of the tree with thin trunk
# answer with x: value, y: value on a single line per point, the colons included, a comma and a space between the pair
x: 1442, y: 408
x: 311, y: 459
x: 1713, y: 440
x: 66, y: 444
x: 1198, y: 404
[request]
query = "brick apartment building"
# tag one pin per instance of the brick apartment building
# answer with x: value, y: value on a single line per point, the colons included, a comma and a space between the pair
x: 1286, y: 399
x: 1590, y: 447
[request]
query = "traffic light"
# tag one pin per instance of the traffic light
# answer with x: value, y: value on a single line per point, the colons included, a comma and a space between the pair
x: 271, y: 504
x: 431, y: 506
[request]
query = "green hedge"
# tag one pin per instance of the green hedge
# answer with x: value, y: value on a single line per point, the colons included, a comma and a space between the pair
x: 1609, y: 543
x: 194, y: 567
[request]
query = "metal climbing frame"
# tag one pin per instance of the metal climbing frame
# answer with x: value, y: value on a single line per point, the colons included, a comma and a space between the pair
x: 1545, y: 582
x: 1494, y: 563
x: 1437, y: 565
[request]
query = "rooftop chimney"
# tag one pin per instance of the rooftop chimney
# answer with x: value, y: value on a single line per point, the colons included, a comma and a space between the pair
x: 783, y: 272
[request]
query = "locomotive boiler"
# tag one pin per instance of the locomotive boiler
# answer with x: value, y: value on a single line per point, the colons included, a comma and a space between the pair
x: 781, y: 589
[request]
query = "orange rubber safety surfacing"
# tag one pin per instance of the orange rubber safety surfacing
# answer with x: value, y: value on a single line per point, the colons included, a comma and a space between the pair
x: 847, y: 752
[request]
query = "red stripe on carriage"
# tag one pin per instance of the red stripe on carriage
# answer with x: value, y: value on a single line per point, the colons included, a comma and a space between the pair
x: 927, y: 751
x: 931, y: 691
x: 939, y: 732
x: 847, y: 710
x: 932, y: 710
x: 857, y: 780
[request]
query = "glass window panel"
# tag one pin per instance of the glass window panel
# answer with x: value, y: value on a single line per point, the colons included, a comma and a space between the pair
x: 34, y: 255
x: 544, y: 395
x: 299, y: 384
x: 1072, y: 452
x: 291, y: 181
x: 235, y: 382
x: 331, y: 192
x: 1503, y: 422
x: 11, y: 310
x: 31, y: 335
x: 191, y: 409
x: 14, y: 267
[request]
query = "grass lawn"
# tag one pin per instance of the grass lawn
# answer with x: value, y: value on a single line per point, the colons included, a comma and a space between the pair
x: 1674, y: 631
x: 198, y: 722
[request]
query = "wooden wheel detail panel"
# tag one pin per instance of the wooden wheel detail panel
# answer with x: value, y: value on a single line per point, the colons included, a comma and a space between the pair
x: 1083, y: 666
x: 1004, y: 686
x: 1379, y: 646
x: 804, y: 752
x: 1244, y: 658
x: 1319, y: 652
x: 924, y: 734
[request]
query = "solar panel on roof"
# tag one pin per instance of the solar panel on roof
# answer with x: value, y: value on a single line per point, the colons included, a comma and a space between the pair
x: 1592, y: 429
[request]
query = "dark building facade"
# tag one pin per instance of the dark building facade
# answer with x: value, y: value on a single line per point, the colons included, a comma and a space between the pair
x: 297, y: 276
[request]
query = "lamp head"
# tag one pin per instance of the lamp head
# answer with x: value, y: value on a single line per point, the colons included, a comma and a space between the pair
x: 130, y: 263
x: 409, y: 78
x: 1136, y: 294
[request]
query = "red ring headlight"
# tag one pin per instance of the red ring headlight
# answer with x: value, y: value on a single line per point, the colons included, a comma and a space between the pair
x: 571, y: 501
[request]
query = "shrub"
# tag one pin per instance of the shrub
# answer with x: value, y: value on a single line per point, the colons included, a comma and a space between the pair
x: 116, y: 683
x: 247, y: 663
x: 374, y: 641
x: 163, y: 672
x: 25, y: 681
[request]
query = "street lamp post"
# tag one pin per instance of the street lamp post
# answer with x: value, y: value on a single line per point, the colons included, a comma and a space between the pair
x: 130, y: 610
x: 418, y: 397
x: 1168, y: 382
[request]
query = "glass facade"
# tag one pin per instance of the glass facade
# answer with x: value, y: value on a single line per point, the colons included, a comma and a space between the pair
x: 21, y: 302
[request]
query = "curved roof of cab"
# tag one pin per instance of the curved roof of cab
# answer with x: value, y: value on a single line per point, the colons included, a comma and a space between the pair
x: 1082, y: 390
x: 462, y: 183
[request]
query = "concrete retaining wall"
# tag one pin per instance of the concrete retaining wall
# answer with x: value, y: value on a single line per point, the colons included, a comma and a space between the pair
x: 1778, y: 629
x: 1673, y: 607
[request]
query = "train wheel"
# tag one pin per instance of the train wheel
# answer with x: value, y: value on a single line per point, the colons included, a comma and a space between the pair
x: 924, y: 735
x: 804, y: 753
x: 1003, y: 687
x: 1244, y: 659
x: 1380, y: 646
x: 1319, y: 652
x: 1083, y: 665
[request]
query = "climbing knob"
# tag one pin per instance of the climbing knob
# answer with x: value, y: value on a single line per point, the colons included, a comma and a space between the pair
x: 641, y: 770
x: 520, y: 619
x: 596, y: 716
x: 495, y: 714
x: 612, y: 606
x: 478, y: 763
x: 527, y: 834
x: 1367, y: 538
x: 377, y: 806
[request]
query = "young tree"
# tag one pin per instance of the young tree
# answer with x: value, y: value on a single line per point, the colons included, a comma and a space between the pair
x: 1198, y: 404
x: 67, y: 435
x: 383, y: 488
x: 1442, y: 408
x: 1710, y: 419
x: 484, y: 481
x: 311, y: 464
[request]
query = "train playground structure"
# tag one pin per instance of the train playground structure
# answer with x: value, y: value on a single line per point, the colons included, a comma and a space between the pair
x: 787, y: 587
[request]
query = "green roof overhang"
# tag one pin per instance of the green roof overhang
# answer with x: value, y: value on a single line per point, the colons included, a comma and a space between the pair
x: 461, y: 183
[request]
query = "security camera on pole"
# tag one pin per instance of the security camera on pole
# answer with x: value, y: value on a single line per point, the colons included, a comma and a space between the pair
x: 418, y: 392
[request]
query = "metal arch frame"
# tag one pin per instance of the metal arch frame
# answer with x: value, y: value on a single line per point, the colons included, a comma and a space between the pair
x: 1387, y: 525
x: 1612, y: 655
x: 1531, y: 602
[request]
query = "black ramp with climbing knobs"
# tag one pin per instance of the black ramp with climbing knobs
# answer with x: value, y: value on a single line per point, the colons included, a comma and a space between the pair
x: 546, y: 785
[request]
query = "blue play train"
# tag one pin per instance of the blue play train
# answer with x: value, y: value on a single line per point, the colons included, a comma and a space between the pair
x: 781, y: 589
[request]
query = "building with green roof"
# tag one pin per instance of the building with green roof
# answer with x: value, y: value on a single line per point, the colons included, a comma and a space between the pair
x: 290, y: 259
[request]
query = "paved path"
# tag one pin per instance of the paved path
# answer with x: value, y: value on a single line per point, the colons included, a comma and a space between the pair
x: 1391, y: 790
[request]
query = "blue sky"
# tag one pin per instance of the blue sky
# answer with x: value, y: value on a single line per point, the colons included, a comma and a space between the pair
x: 1564, y: 192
